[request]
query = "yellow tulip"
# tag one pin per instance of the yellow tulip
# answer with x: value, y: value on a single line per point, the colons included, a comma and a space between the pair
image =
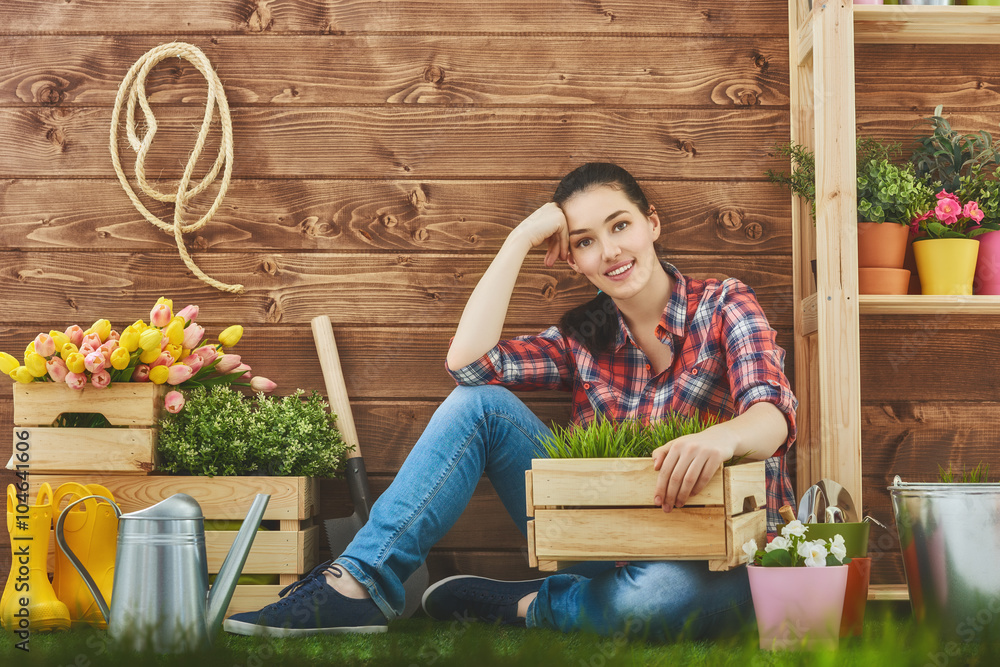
x: 175, y: 331
x: 150, y: 355
x: 60, y: 338
x: 36, y: 364
x: 74, y: 362
x: 169, y: 303
x: 231, y: 335
x: 139, y: 326
x: 67, y: 350
x: 22, y: 375
x: 120, y: 358
x: 7, y: 363
x: 129, y: 340
x: 175, y: 351
x: 101, y: 327
x: 159, y: 374
x: 150, y: 339
x: 30, y: 349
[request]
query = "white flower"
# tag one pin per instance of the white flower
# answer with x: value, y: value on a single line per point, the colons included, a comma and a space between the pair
x: 778, y: 542
x: 794, y: 528
x: 750, y: 550
x: 814, y: 553
x: 838, y: 548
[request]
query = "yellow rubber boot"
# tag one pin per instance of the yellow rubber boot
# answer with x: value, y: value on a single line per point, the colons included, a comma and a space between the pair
x: 8, y: 589
x: 29, y: 540
x: 91, y: 531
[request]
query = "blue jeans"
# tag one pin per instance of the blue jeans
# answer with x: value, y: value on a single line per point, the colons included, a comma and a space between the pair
x: 488, y: 429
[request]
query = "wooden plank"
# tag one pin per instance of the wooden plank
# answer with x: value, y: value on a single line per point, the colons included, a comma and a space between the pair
x: 739, y: 530
x: 91, y: 450
x: 532, y: 560
x: 219, y: 497
x: 744, y: 486
x: 929, y: 25
x: 273, y: 552
x: 395, y: 142
x: 809, y: 318
x: 388, y: 289
x: 297, y: 214
x: 121, y: 403
x: 694, y: 533
x: 529, y: 496
x: 622, y: 482
x: 328, y: 17
x: 893, y: 123
x: 931, y: 305
x: 407, y: 69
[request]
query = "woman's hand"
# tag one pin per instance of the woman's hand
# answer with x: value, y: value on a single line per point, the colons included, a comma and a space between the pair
x: 687, y: 464
x: 547, y: 223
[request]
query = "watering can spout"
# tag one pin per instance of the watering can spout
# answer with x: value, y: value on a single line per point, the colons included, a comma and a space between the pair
x: 229, y: 574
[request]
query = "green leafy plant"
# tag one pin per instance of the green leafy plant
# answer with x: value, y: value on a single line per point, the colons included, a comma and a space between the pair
x: 222, y: 432
x: 802, y: 179
x: 604, y: 438
x: 943, y: 157
x: 978, y: 475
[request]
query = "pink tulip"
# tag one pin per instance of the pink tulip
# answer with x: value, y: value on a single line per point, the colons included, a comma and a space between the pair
x: 163, y: 360
x: 75, y: 334
x: 100, y: 380
x: 189, y: 313
x: 160, y: 315
x: 179, y: 373
x: 141, y: 373
x: 262, y: 384
x: 228, y: 363
x: 246, y: 376
x: 245, y: 369
x: 114, y: 335
x: 57, y: 369
x: 87, y: 349
x: 91, y: 340
x: 164, y: 342
x: 193, y: 334
x: 44, y: 345
x: 208, y: 353
x: 173, y: 401
x: 107, y: 347
x: 194, y: 361
x: 94, y: 362
x: 76, y: 380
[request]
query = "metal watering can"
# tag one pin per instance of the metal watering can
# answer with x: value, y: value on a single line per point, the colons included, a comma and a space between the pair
x: 161, y: 600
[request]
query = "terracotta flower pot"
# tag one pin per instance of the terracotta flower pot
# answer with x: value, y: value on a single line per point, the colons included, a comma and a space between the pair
x: 883, y: 281
x: 946, y: 266
x: 987, y: 279
x: 882, y: 244
x: 856, y: 597
x: 798, y: 607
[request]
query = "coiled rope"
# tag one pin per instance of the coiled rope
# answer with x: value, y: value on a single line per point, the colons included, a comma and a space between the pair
x: 133, y: 87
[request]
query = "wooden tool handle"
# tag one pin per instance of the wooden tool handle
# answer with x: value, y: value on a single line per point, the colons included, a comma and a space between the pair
x: 786, y: 513
x: 333, y: 377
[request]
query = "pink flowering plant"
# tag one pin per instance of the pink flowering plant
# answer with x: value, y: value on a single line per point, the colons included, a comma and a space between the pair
x: 793, y: 549
x: 951, y: 218
x: 170, y: 349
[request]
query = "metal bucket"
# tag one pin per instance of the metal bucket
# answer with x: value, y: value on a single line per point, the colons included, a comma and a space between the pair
x: 949, y: 536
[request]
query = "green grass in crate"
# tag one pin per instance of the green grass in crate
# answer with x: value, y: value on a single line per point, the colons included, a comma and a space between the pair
x: 604, y: 438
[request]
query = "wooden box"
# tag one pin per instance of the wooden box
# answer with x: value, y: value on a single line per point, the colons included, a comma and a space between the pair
x: 50, y: 449
x: 290, y: 551
x: 602, y: 509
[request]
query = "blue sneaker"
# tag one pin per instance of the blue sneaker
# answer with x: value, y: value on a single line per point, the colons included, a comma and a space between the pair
x: 310, y: 607
x: 478, y: 598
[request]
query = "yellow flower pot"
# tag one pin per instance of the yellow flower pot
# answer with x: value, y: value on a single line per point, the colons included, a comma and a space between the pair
x: 946, y: 266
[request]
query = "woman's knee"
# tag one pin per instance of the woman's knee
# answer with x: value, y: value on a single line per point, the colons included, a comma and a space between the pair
x: 476, y: 397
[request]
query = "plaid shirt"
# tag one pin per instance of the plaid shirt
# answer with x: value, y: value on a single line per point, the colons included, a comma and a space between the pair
x: 725, y: 359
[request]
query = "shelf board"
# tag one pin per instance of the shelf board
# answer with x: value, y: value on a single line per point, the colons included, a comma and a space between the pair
x: 926, y: 24
x: 888, y: 592
x: 916, y: 304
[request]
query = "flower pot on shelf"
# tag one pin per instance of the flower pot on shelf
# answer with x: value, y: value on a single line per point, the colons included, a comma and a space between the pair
x: 133, y: 406
x: 883, y: 281
x: 946, y: 266
x: 987, y: 280
x: 602, y: 509
x: 290, y: 551
x: 798, y: 607
x: 882, y: 244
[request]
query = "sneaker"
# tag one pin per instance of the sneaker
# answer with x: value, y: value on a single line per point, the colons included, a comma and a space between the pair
x: 480, y: 598
x: 310, y: 606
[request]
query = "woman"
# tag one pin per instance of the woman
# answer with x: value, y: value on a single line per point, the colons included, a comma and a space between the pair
x: 651, y: 342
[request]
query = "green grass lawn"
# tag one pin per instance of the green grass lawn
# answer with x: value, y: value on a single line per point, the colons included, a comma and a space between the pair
x: 891, y: 638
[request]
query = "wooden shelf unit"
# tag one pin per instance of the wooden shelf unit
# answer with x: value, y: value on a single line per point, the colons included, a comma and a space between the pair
x: 827, y: 320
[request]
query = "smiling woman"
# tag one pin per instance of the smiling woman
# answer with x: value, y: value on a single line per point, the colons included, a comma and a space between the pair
x: 653, y: 342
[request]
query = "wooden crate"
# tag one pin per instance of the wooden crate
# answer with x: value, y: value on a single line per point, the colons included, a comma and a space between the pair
x: 602, y: 509
x: 290, y: 552
x: 51, y: 449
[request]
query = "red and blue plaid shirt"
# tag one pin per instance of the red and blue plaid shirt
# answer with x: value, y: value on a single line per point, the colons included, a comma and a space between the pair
x: 725, y: 359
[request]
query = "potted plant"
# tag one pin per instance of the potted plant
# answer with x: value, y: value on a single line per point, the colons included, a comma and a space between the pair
x: 592, y: 499
x: 798, y: 588
x: 945, y: 528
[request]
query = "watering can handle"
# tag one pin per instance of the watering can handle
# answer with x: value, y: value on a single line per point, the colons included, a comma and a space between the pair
x: 61, y: 541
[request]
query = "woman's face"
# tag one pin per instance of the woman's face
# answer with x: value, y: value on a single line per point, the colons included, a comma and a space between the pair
x: 611, y: 241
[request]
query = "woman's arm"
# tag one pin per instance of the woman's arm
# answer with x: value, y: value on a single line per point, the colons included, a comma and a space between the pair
x: 482, y: 320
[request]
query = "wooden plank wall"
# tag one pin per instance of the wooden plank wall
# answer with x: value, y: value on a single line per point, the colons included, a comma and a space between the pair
x: 382, y: 153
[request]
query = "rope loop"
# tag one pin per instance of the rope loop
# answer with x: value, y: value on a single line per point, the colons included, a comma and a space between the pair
x: 132, y: 90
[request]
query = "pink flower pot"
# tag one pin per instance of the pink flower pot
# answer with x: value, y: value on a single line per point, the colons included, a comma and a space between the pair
x: 987, y: 280
x: 798, y: 607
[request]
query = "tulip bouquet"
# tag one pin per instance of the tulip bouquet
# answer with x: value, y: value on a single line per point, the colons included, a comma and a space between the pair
x: 169, y: 349
x: 792, y: 549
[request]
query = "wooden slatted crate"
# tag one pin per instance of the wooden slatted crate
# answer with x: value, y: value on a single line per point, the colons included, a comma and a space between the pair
x: 602, y: 509
x: 52, y: 449
x: 290, y: 552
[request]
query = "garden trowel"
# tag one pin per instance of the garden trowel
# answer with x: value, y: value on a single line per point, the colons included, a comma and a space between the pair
x: 340, y: 532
